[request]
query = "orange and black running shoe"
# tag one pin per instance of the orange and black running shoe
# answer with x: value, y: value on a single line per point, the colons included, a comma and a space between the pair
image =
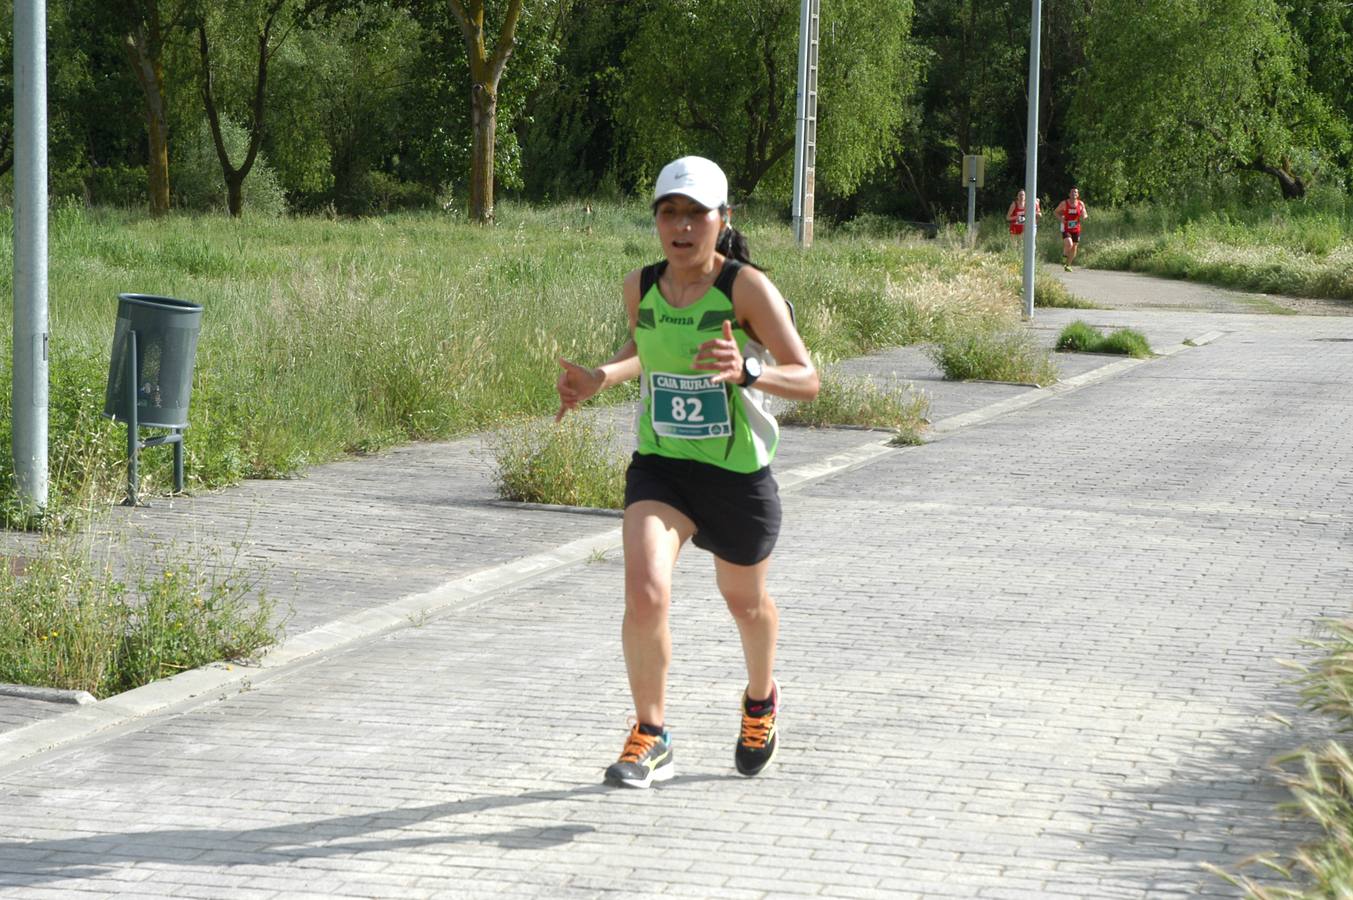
x: 646, y: 758
x: 757, y: 742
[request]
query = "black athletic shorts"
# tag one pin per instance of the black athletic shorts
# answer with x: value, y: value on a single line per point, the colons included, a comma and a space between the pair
x: 736, y: 515
x: 1074, y: 235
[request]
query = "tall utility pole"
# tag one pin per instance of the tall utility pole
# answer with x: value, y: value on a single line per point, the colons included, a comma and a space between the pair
x: 805, y: 129
x: 30, y: 252
x: 1031, y: 163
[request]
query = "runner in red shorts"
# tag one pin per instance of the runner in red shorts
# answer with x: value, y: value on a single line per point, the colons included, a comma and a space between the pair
x: 1071, y: 213
x: 1016, y: 215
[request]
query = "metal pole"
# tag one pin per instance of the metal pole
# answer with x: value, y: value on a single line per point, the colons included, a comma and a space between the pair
x: 29, y: 402
x: 1031, y: 163
x: 129, y: 370
x: 972, y: 211
x: 801, y: 122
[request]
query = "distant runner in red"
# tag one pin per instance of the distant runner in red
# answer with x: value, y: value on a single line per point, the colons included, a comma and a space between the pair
x: 1071, y: 213
x: 1016, y: 215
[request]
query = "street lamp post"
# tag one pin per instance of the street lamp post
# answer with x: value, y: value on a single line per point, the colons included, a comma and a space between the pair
x: 29, y: 401
x: 1031, y: 163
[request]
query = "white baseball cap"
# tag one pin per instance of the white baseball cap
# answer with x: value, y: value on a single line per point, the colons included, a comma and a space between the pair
x: 695, y: 177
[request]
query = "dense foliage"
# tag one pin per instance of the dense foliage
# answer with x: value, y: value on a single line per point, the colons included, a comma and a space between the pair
x: 363, y: 106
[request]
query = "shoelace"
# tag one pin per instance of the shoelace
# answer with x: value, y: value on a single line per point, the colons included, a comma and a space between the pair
x: 636, y: 745
x: 756, y: 730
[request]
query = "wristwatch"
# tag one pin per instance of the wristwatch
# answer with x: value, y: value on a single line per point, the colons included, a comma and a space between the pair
x: 751, y: 371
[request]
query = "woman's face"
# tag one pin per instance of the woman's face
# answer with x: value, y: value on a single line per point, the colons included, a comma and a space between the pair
x: 1021, y: 198
x: 688, y: 231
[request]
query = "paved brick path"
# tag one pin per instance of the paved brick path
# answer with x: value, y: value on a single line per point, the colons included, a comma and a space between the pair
x: 1034, y: 658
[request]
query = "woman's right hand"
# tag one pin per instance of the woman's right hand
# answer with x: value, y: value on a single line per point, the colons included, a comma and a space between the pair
x: 576, y: 383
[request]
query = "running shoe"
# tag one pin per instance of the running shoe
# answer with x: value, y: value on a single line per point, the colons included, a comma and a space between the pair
x: 646, y: 758
x: 757, y: 742
x: 1066, y: 266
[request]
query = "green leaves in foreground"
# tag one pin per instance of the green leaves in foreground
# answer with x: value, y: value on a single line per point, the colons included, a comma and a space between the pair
x: 68, y: 623
x: 1081, y: 337
x: 571, y: 463
x: 850, y: 400
x: 981, y: 354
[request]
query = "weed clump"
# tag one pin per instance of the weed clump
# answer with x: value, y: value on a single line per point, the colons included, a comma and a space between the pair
x: 571, y: 463
x: 1080, y: 337
x: 992, y: 354
x: 71, y: 622
x: 851, y: 400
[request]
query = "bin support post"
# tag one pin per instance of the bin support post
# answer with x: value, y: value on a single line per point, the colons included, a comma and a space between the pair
x: 178, y: 461
x: 133, y: 439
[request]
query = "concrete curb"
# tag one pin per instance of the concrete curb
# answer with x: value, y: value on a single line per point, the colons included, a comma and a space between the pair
x: 46, y: 694
x: 221, y: 679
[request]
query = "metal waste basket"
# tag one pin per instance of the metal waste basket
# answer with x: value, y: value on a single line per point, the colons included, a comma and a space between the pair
x: 150, y: 375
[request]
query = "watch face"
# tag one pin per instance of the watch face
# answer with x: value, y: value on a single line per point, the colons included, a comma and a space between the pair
x: 752, y: 366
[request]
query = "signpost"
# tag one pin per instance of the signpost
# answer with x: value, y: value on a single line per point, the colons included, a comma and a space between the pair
x: 974, y: 177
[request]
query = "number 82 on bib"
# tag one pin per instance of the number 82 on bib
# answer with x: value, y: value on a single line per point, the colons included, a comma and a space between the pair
x: 688, y: 407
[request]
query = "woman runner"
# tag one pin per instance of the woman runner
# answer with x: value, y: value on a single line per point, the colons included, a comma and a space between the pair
x: 710, y: 337
x: 1071, y: 213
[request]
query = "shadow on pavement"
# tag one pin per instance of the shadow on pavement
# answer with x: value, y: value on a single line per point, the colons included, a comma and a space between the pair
x: 1220, y: 806
x: 30, y: 863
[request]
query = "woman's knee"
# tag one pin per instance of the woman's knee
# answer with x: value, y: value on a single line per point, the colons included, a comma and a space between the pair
x: 749, y: 605
x: 647, y: 599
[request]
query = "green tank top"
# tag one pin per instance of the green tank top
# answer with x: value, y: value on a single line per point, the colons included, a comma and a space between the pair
x: 681, y: 414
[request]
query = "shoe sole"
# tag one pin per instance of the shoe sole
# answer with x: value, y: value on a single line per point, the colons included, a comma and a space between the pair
x: 662, y: 773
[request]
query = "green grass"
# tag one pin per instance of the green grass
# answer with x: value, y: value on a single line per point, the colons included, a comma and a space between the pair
x: 986, y: 354
x: 1081, y: 337
x: 1049, y: 293
x: 323, y: 337
x: 853, y: 400
x: 1296, y: 248
x: 70, y: 621
x: 574, y: 462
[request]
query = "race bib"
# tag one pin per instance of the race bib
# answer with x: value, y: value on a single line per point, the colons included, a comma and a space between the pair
x: 1019, y: 219
x: 689, y: 407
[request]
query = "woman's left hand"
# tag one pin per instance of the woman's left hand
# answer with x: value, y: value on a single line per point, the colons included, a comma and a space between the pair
x: 721, y: 356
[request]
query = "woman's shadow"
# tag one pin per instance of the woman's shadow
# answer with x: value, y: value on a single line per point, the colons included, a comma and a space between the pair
x: 30, y: 863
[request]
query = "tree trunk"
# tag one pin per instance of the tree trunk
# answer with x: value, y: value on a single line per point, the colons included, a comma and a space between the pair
x: 486, y: 70
x: 150, y: 74
x: 235, y: 193
x: 1290, y: 183
x: 484, y: 123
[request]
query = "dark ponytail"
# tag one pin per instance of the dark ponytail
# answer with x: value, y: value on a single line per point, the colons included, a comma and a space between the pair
x: 733, y: 244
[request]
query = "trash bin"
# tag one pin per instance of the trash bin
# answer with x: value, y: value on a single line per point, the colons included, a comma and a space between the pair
x: 166, y: 345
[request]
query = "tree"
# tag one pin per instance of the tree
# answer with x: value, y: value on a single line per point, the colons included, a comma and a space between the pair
x: 487, y: 58
x: 260, y: 23
x: 147, y: 25
x: 1178, y: 88
x: 719, y: 78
